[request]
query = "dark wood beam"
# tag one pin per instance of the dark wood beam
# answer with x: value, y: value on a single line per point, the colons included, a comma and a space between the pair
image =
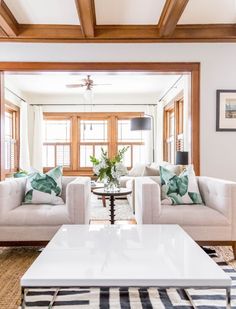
x: 2, y: 135
x: 170, y: 16
x: 124, y: 34
x: 86, y: 12
x: 8, y: 22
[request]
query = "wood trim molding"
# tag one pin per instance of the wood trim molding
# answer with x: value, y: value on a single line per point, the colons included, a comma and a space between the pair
x: 2, y: 125
x: 195, y: 117
x: 172, y: 11
x: 86, y: 12
x: 147, y: 67
x: 122, y: 34
x: 8, y: 22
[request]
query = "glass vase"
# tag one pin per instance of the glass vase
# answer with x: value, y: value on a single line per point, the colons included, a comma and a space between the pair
x: 111, y: 185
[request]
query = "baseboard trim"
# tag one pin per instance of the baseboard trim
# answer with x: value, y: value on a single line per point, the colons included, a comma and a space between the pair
x: 29, y: 243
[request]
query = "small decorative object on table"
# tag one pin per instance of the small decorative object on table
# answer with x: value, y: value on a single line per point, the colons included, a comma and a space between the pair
x: 109, y: 170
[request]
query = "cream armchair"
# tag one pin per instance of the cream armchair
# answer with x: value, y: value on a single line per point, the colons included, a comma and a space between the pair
x: 211, y: 223
x: 27, y: 222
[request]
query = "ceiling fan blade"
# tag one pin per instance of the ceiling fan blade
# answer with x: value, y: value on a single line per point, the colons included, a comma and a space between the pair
x: 102, y: 84
x: 75, y: 85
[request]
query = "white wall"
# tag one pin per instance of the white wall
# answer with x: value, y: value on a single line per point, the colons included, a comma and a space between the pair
x: 218, y: 71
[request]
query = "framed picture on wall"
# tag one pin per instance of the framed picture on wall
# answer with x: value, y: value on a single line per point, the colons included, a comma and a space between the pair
x: 225, y: 110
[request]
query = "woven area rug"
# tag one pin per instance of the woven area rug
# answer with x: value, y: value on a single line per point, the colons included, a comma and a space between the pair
x: 14, y: 262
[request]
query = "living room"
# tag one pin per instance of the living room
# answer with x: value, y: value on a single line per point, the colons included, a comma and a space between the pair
x: 71, y: 86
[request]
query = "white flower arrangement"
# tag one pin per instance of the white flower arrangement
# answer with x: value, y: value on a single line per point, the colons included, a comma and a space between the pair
x: 110, y: 169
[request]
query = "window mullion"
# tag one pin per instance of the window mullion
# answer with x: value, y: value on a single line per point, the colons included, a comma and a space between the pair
x: 75, y: 133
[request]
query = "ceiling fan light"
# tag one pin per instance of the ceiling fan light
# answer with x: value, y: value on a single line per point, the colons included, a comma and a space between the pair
x: 88, y: 95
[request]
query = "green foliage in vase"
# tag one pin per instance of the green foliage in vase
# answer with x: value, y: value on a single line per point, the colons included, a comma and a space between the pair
x: 111, y: 168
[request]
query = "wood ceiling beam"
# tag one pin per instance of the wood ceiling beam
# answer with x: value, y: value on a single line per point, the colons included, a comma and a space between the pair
x: 172, y: 11
x: 86, y: 12
x: 49, y: 33
x: 8, y: 22
x: 126, y: 34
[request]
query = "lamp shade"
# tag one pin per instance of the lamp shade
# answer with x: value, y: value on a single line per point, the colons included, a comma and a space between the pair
x: 140, y: 123
x: 182, y: 157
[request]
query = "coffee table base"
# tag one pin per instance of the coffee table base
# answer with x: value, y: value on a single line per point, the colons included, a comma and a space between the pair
x: 24, y: 291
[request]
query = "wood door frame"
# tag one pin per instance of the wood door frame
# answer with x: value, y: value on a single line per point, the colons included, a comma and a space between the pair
x: 14, y: 108
x: 144, y: 67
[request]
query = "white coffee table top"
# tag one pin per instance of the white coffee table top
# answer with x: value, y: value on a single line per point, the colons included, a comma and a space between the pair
x: 124, y: 255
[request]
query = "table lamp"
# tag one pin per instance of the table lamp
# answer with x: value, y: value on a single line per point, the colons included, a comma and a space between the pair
x: 182, y: 158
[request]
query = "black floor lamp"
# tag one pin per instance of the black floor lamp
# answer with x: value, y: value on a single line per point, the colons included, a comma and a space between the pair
x: 145, y: 123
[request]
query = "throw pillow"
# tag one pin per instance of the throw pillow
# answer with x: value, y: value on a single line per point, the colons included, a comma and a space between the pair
x: 179, y: 190
x: 44, y: 188
x: 151, y: 171
x: 137, y: 170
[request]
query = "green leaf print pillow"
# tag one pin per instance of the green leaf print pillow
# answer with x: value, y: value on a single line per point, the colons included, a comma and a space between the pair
x: 44, y: 188
x: 179, y: 190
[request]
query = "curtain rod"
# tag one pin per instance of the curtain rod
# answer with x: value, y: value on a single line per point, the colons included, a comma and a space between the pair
x: 165, y: 94
x: 16, y: 95
x: 99, y: 104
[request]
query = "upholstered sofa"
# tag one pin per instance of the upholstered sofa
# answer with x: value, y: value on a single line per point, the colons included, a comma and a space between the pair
x: 26, y: 222
x: 211, y: 223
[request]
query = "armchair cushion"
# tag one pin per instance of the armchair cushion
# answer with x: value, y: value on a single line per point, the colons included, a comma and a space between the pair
x: 37, y: 215
x: 192, y: 215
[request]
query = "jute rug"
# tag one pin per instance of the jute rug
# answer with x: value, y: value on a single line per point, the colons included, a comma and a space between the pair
x: 15, y: 261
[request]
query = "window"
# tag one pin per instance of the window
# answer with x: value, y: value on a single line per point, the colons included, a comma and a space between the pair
x: 93, y: 137
x: 173, y: 134
x: 57, y: 143
x: 70, y: 141
x: 133, y: 139
x: 11, y: 138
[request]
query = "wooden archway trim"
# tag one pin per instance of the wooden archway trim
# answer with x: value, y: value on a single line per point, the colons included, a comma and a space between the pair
x: 145, y: 67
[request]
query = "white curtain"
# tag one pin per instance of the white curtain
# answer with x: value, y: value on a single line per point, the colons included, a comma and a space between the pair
x: 24, y: 137
x: 37, y: 160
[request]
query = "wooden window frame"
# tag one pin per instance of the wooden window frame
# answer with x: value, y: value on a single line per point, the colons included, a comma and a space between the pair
x: 170, y: 108
x: 112, y: 138
x: 15, y: 110
x: 60, y: 116
x: 174, y: 107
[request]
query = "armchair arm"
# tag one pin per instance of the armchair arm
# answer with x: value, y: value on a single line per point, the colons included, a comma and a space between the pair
x: 147, y: 200
x: 219, y: 194
x: 12, y: 193
x: 78, y: 200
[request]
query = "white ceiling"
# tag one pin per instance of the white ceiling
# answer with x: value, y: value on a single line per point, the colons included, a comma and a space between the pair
x: 121, y: 83
x: 128, y: 12
x: 121, y: 12
x: 209, y: 12
x: 44, y: 11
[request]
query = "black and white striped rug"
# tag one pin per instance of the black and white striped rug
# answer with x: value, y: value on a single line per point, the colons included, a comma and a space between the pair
x: 133, y: 297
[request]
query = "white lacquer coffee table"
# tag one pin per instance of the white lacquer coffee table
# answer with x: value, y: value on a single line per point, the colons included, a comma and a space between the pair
x: 124, y: 255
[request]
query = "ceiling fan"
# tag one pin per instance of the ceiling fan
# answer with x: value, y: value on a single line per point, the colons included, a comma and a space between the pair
x: 86, y: 82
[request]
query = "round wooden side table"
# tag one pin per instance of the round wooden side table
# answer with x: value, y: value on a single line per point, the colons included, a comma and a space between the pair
x: 112, y: 196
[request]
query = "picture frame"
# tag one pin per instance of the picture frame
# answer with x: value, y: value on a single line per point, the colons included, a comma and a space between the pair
x: 225, y: 110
